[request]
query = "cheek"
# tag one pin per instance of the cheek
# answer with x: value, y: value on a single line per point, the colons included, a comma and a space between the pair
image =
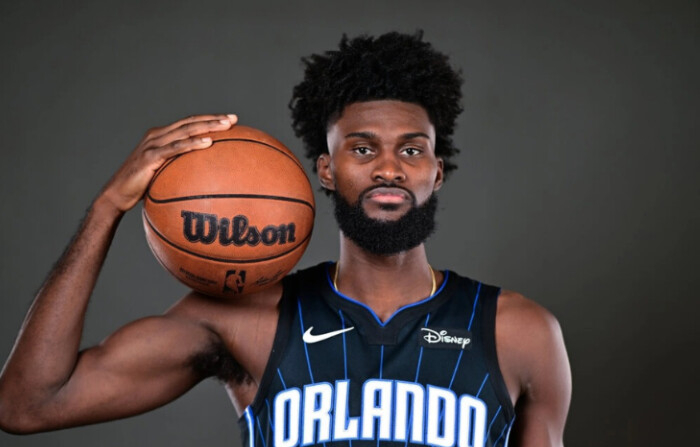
x: 347, y: 187
x: 427, y: 185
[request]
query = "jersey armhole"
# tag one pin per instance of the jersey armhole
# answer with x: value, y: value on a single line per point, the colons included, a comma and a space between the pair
x: 284, y: 325
x: 491, y: 354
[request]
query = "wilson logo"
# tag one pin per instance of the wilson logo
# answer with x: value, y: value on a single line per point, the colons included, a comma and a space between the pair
x: 207, y: 228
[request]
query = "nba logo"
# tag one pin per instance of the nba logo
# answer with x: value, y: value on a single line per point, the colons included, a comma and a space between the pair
x: 234, y: 281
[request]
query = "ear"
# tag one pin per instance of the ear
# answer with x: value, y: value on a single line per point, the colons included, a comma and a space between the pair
x: 324, y: 172
x: 440, y: 174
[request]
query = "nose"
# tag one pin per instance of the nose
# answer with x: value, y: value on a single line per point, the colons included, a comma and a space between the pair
x: 388, y: 169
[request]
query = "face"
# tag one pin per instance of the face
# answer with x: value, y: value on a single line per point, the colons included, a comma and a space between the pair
x: 383, y: 172
x: 382, y: 158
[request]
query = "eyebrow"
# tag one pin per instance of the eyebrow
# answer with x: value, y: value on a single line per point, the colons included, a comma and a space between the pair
x: 370, y: 135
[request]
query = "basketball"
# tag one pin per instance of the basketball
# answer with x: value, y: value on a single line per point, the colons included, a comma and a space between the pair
x: 233, y: 218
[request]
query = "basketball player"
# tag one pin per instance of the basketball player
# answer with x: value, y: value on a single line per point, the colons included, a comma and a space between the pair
x: 378, y: 347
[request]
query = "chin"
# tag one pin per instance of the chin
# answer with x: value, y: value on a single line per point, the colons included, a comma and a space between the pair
x: 385, y: 232
x: 387, y: 217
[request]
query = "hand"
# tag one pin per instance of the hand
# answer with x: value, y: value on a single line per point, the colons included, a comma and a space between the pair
x: 129, y: 183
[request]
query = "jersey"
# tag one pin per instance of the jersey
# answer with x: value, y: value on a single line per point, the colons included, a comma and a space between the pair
x: 339, y: 376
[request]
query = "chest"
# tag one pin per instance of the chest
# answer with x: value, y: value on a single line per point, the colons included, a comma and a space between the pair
x: 435, y: 343
x: 426, y: 376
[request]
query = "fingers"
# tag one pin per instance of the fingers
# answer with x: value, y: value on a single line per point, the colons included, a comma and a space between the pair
x: 157, y: 132
x: 129, y: 183
x: 188, y: 128
x: 181, y: 146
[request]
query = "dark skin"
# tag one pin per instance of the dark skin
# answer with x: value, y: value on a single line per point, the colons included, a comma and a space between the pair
x: 48, y: 384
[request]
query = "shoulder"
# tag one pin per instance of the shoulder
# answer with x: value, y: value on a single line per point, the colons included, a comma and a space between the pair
x: 243, y: 313
x: 529, y: 341
x: 218, y: 313
x: 244, y: 327
x: 204, y: 309
x: 519, y: 314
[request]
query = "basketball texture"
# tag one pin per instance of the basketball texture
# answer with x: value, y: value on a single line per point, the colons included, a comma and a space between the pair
x: 233, y: 218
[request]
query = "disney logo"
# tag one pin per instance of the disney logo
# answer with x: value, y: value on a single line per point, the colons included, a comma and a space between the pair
x: 432, y: 336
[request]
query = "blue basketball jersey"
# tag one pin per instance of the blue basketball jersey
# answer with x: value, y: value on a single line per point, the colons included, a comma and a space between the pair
x: 338, y: 376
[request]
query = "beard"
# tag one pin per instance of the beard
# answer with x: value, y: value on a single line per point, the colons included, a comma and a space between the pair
x: 385, y: 237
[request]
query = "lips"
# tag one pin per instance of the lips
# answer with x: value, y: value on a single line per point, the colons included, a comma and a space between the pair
x: 387, y: 195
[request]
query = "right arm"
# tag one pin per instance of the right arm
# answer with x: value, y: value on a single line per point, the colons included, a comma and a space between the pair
x: 47, y: 383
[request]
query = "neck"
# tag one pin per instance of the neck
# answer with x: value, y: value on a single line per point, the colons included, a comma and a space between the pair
x: 384, y: 283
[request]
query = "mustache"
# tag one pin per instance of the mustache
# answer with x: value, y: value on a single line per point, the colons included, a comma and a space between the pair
x: 387, y: 185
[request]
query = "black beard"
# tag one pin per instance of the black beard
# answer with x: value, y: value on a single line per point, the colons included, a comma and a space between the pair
x: 385, y: 237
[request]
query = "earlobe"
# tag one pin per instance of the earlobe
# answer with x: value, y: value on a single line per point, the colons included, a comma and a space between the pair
x: 324, y: 172
x: 439, y: 177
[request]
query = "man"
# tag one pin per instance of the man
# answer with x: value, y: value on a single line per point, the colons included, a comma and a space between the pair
x: 377, y: 347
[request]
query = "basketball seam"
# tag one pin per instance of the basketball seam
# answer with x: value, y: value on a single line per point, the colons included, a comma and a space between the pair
x: 230, y: 196
x: 248, y: 140
x: 291, y: 157
x: 161, y: 169
x: 211, y: 258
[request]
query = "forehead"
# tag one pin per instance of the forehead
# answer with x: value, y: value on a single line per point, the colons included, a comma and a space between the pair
x: 383, y: 117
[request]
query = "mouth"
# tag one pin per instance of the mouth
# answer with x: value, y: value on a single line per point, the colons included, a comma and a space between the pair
x: 387, y: 196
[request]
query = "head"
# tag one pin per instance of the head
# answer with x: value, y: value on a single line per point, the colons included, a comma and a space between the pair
x: 392, y: 66
x: 377, y: 117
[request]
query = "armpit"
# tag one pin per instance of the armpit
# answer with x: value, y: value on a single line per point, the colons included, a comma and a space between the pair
x: 216, y: 361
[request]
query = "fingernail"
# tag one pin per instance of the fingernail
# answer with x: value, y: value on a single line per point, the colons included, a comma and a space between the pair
x: 227, y: 122
x: 206, y: 140
x: 232, y: 117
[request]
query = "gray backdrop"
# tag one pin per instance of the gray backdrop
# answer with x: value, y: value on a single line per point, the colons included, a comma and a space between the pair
x: 576, y: 187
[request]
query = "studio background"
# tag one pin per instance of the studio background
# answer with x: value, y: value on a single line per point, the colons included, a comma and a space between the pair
x: 577, y: 182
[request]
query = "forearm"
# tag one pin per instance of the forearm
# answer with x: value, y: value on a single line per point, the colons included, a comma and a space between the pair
x: 45, y: 361
x: 46, y: 348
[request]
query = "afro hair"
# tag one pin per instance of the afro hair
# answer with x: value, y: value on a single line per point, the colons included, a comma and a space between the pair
x: 391, y: 66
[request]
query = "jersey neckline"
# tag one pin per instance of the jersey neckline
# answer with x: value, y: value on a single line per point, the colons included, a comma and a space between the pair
x: 366, y: 320
x: 369, y: 309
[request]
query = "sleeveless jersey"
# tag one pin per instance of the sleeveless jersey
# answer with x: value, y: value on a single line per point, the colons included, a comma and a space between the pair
x: 339, y: 376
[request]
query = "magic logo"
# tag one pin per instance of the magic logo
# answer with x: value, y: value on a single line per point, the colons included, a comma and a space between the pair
x: 391, y: 410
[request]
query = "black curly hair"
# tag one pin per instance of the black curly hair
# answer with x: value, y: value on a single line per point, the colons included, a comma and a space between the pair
x: 391, y: 66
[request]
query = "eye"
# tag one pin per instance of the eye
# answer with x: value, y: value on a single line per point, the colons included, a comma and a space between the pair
x: 411, y: 151
x: 362, y: 150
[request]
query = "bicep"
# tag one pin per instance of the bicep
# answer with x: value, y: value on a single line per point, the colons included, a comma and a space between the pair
x: 142, y: 366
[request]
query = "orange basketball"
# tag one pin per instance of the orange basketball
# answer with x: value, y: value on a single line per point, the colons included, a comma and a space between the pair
x: 233, y: 218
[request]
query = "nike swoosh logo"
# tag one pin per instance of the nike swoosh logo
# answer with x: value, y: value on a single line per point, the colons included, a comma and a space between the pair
x: 308, y: 337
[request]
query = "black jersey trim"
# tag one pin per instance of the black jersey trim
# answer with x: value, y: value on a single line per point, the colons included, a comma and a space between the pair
x: 490, y: 306
x: 279, y: 346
